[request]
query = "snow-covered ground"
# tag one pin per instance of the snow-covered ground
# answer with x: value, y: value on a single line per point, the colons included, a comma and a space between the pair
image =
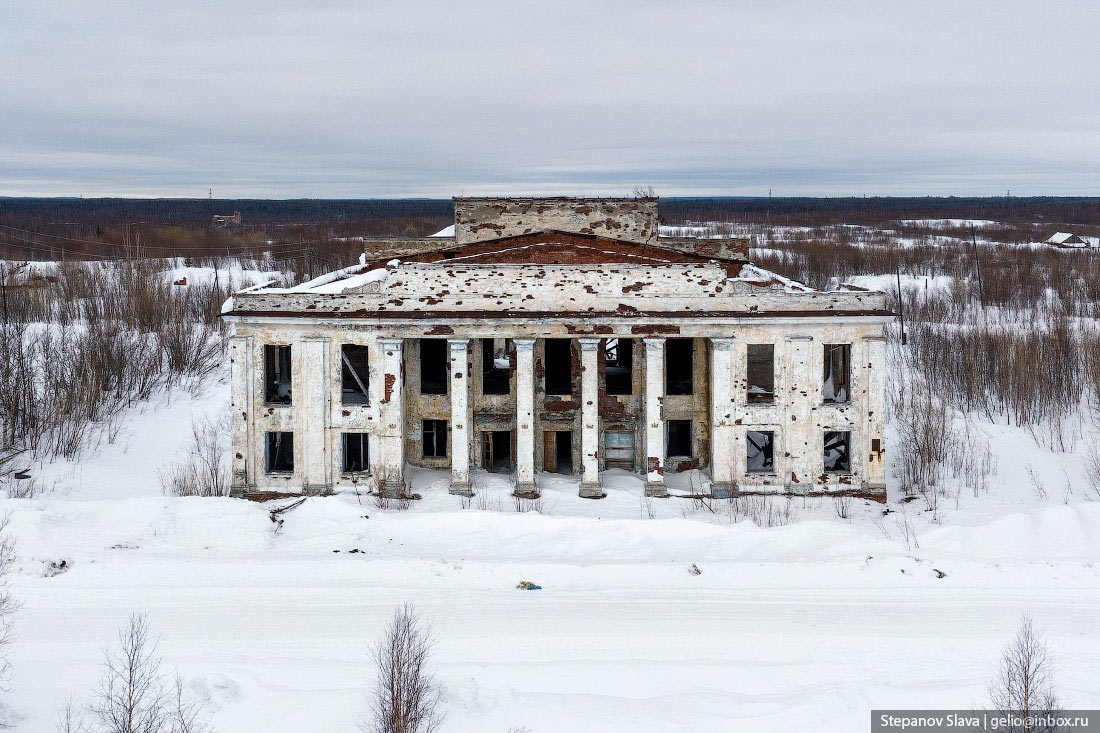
x: 805, y: 626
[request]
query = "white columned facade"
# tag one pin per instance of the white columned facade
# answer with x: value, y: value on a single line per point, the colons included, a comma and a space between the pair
x: 590, y: 419
x: 311, y: 414
x: 654, y: 419
x: 242, y: 376
x: 525, y: 418
x: 460, y: 424
x: 722, y: 411
x: 391, y: 415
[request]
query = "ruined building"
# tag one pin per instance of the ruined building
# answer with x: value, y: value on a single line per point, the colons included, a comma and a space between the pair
x: 558, y: 335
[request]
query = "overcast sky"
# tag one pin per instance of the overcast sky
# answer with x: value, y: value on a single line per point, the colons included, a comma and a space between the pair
x: 363, y: 99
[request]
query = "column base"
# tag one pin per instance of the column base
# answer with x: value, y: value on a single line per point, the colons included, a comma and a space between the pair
x: 722, y: 489
x: 526, y: 490
x: 591, y: 490
x: 460, y: 488
x: 656, y: 489
x: 392, y: 489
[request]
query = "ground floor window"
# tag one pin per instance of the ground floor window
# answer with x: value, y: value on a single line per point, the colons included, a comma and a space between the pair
x: 760, y: 451
x: 356, y: 455
x: 280, y: 452
x: 679, y: 439
x: 435, y: 438
x: 837, y: 453
x: 619, y: 450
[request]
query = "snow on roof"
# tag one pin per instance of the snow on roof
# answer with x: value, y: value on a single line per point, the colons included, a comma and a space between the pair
x: 760, y: 276
x: 445, y: 232
x: 1063, y: 238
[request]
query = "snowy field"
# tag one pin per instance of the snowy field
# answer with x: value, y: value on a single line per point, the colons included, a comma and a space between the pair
x: 806, y: 626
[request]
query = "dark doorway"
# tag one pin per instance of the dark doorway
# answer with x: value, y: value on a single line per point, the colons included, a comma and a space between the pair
x: 496, y: 451
x: 618, y: 357
x: 679, y: 439
x: 678, y: 367
x: 558, y: 451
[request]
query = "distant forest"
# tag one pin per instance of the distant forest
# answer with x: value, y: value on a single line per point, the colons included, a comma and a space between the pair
x: 49, y: 228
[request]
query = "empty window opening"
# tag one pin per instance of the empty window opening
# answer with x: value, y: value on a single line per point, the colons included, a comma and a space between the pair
x: 433, y: 366
x: 836, y: 385
x: 496, y: 451
x: 557, y: 454
x: 619, y: 450
x: 618, y: 356
x: 558, y: 366
x: 277, y: 374
x: 760, y: 451
x: 356, y: 455
x: 435, y: 438
x: 761, y: 373
x: 280, y: 452
x: 496, y: 366
x: 679, y: 439
x: 837, y: 456
x: 354, y: 377
x: 678, y: 366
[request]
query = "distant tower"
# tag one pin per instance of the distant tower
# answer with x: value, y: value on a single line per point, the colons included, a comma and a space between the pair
x: 211, y: 194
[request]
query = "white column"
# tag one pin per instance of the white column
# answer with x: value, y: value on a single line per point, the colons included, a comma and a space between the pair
x: 525, y: 418
x: 311, y: 414
x: 590, y: 419
x: 722, y: 409
x: 242, y: 378
x: 874, y: 413
x: 654, y: 419
x: 801, y: 392
x: 391, y: 416
x: 460, y: 427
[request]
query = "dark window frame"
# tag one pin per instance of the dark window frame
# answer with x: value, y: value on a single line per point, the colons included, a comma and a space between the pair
x: 362, y: 450
x: 552, y: 372
x: 616, y: 351
x: 766, y: 447
x: 752, y: 375
x: 437, y: 362
x: 278, y: 374
x: 836, y: 357
x: 680, y: 354
x: 354, y: 374
x: 279, y: 452
x: 845, y: 454
x: 495, y: 380
x: 433, y: 433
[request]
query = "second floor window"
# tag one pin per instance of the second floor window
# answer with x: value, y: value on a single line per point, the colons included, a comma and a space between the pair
x: 354, y: 377
x: 836, y: 385
x: 277, y: 380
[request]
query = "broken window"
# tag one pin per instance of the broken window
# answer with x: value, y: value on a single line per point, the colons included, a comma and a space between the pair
x: 354, y: 377
x: 760, y: 451
x: 435, y: 438
x: 277, y: 374
x: 356, y: 456
x: 761, y: 373
x: 679, y: 439
x: 618, y: 356
x: 496, y: 367
x: 433, y: 366
x: 837, y: 456
x: 836, y: 382
x: 280, y: 452
x: 678, y: 366
x: 558, y: 366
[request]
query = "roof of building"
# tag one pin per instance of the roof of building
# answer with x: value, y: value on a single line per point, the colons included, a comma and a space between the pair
x: 1063, y: 238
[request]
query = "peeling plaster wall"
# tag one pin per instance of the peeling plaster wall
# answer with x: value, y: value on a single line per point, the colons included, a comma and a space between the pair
x: 480, y: 219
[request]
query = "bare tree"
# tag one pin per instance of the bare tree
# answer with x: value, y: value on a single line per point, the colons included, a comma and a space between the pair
x: 643, y: 192
x: 8, y: 604
x: 1023, y: 683
x: 407, y: 697
x: 133, y: 696
x: 71, y: 718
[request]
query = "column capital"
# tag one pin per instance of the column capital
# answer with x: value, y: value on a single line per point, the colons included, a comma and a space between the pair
x: 390, y: 343
x: 458, y: 344
x: 589, y: 344
x: 524, y: 344
x: 654, y: 342
x: 723, y: 342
